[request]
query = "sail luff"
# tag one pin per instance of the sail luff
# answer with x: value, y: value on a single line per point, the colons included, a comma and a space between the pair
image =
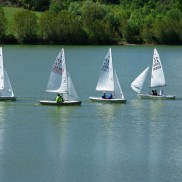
x: 106, y: 82
x: 157, y: 74
x: 137, y: 84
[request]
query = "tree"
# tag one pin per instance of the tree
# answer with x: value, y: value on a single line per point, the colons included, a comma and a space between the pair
x: 48, y: 22
x: 168, y: 27
x: 25, y: 26
x: 62, y: 28
x: 3, y: 25
x: 69, y: 29
x: 147, y: 33
x: 37, y: 5
x: 96, y: 23
x: 134, y: 24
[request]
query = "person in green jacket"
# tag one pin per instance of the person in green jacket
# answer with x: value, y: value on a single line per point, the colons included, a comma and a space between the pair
x: 59, y: 98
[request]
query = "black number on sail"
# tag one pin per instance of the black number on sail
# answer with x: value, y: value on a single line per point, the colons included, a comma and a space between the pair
x: 156, y: 64
x: 57, y: 67
x: 106, y: 65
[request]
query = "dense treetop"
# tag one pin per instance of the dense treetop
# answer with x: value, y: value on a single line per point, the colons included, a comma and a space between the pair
x: 93, y: 22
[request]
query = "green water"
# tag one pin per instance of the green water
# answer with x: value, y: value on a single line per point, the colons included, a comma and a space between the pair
x: 135, y: 142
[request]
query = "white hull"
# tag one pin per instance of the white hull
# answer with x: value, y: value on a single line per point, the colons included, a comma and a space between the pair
x: 99, y: 99
x: 65, y: 103
x: 4, y: 98
x: 162, y: 97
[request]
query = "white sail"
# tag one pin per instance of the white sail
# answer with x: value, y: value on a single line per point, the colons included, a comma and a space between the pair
x: 7, y: 91
x: 1, y: 70
x: 137, y: 84
x: 106, y: 82
x: 157, y: 75
x: 58, y: 79
x: 72, y: 95
x: 118, y: 94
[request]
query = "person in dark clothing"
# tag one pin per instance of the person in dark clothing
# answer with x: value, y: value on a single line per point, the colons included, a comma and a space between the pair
x: 110, y: 96
x: 104, y: 96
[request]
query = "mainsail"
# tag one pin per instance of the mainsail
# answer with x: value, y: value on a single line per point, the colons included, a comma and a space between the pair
x: 106, y: 82
x: 58, y: 79
x: 5, y: 85
x: 137, y: 84
x: 157, y: 75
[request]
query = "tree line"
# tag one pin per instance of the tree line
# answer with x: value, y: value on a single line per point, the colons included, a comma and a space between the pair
x: 95, y: 22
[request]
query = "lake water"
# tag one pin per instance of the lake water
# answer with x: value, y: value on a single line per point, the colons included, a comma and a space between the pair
x: 140, y: 141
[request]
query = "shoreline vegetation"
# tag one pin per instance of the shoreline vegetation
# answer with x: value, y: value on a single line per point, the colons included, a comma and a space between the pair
x: 91, y: 22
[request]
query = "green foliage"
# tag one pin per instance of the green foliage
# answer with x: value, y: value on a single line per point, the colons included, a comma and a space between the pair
x: 37, y: 5
x: 96, y: 22
x: 62, y: 28
x: 3, y: 24
x: 59, y: 5
x: 25, y: 26
x: 147, y: 29
x: 167, y: 28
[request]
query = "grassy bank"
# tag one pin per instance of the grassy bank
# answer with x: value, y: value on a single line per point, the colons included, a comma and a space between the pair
x: 9, y: 14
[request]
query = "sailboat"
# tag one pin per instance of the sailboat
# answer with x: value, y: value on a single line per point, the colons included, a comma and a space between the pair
x: 108, y: 83
x: 157, y: 81
x: 6, y: 91
x: 60, y: 82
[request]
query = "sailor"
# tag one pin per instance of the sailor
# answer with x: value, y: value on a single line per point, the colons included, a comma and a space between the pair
x: 59, y: 98
x: 104, y: 95
x: 155, y: 92
x: 110, y: 96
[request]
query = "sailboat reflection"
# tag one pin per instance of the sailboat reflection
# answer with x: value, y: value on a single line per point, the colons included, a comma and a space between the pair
x: 108, y: 112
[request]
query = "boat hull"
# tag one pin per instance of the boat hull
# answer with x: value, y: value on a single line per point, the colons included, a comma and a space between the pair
x: 99, y: 99
x: 162, y: 97
x: 65, y: 103
x: 7, y: 98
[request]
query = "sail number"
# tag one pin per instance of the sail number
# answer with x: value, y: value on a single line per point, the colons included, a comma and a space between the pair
x: 106, y: 65
x: 156, y: 64
x: 57, y: 67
